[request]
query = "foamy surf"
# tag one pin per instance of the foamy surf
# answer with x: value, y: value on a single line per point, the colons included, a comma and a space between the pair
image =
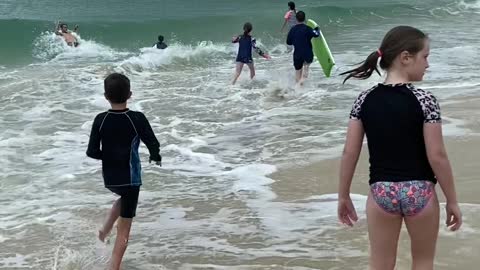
x: 214, y: 203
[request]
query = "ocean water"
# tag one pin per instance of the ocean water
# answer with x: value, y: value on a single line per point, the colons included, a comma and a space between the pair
x: 211, y: 205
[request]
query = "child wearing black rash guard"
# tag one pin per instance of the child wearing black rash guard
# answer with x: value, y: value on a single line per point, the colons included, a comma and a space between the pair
x: 403, y: 127
x: 114, y: 139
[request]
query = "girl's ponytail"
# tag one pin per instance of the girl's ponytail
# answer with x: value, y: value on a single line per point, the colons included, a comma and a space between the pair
x: 366, y: 69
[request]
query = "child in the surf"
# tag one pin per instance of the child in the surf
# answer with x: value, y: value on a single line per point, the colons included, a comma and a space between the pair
x: 114, y: 139
x: 290, y: 17
x: 246, y: 44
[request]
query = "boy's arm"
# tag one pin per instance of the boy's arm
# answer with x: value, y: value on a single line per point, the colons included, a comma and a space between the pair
x: 148, y: 138
x: 93, y: 149
x: 235, y: 39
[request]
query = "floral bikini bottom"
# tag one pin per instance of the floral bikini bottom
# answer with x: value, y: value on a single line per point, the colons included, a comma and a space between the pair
x: 406, y: 198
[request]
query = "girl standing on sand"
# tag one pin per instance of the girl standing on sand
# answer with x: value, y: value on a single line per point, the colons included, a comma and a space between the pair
x: 407, y: 154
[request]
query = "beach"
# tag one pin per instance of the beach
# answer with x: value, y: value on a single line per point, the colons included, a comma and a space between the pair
x: 249, y: 172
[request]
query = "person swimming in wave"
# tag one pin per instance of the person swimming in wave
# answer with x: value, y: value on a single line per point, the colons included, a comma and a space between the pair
x: 62, y: 30
x: 160, y: 44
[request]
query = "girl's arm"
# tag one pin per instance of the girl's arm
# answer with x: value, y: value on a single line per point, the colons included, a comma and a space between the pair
x: 353, y: 146
x: 283, y: 26
x: 438, y: 159
x: 258, y: 50
x: 286, y: 17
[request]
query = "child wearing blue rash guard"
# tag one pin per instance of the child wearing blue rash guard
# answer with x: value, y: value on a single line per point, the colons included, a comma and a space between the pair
x: 300, y: 37
x: 244, y: 56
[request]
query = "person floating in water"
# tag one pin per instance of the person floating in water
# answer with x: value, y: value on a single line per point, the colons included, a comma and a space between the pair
x: 68, y: 36
x: 246, y: 43
x: 160, y: 44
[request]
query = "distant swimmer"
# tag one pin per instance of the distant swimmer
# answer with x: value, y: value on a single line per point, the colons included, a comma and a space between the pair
x: 160, y: 44
x: 62, y: 30
x: 246, y: 44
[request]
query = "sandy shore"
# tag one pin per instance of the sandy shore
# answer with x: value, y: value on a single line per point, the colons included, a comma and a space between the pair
x: 322, y: 178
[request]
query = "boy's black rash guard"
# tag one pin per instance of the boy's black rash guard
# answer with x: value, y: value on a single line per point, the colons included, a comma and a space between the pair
x: 119, y: 133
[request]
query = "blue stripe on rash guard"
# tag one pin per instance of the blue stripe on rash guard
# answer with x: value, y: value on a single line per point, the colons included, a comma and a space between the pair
x: 135, y: 167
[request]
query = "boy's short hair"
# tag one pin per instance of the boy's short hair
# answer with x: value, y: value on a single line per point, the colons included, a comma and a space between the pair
x: 160, y: 38
x: 300, y: 16
x: 117, y: 88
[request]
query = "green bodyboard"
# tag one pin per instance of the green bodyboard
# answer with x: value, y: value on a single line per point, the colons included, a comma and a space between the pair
x: 321, y: 51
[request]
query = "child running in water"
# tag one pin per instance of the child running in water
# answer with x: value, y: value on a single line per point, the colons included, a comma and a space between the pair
x: 246, y: 43
x: 407, y: 154
x: 300, y: 36
x: 114, y: 139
